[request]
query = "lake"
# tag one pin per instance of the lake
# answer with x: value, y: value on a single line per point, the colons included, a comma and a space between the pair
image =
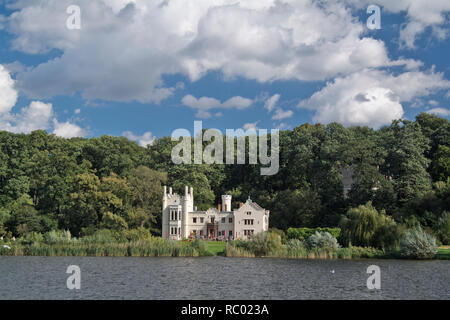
x: 220, y: 278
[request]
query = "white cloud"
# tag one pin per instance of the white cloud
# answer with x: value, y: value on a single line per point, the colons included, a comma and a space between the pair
x: 37, y: 116
x: 77, y: 111
x: 283, y: 126
x: 203, y: 104
x: 371, y: 97
x: 8, y: 95
x: 440, y: 112
x: 421, y: 14
x: 68, y: 130
x: 272, y: 102
x: 144, y: 140
x: 281, y: 114
x: 124, y: 47
x: 251, y: 126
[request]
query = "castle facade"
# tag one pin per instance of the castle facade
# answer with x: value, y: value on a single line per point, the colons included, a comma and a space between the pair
x: 182, y: 220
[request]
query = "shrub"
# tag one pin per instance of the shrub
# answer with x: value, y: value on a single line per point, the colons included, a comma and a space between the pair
x: 305, y: 233
x: 295, y: 244
x: 201, y: 247
x: 55, y: 236
x: 322, y: 240
x: 32, y: 237
x: 264, y: 243
x: 100, y: 236
x: 417, y: 244
x: 136, y: 234
x: 296, y: 249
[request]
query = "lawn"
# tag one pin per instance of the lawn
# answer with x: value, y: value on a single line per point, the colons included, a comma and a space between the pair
x: 443, y: 253
x: 216, y: 247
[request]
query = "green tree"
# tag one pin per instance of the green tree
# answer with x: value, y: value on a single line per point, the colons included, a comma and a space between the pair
x: 365, y: 226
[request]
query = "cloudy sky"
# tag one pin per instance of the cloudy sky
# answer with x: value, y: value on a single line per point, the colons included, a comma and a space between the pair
x: 143, y: 68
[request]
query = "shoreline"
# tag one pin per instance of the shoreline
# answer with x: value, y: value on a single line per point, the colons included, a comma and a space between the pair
x: 187, y: 250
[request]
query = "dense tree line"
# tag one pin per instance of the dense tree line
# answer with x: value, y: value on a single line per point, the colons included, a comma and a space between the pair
x: 83, y: 185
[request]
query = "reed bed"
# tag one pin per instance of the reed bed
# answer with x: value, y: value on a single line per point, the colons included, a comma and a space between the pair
x: 141, y: 248
x: 304, y: 253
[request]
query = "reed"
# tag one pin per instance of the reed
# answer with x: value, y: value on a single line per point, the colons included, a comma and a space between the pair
x: 156, y: 247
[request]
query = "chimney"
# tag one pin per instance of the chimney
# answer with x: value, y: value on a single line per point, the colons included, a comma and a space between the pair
x: 165, y: 190
x: 219, y: 207
x: 241, y: 204
x: 186, y: 190
x: 170, y: 190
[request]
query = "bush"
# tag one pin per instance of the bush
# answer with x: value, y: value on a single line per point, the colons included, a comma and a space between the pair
x: 322, y: 240
x: 136, y: 234
x: 201, y: 247
x: 55, y: 236
x: 305, y: 233
x: 100, y: 236
x: 32, y: 237
x: 295, y: 244
x: 417, y: 244
x: 264, y: 243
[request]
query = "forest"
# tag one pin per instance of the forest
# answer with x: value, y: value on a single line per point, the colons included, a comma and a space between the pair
x: 84, y: 185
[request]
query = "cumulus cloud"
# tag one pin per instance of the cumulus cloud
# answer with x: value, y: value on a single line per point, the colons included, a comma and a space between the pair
x: 281, y: 114
x: 372, y: 97
x: 204, y: 104
x: 37, y: 116
x: 125, y: 47
x: 68, y: 130
x: 146, y: 139
x: 8, y: 95
x: 440, y: 112
x: 421, y: 14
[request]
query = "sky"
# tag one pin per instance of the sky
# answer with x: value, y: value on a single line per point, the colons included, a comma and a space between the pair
x: 143, y: 68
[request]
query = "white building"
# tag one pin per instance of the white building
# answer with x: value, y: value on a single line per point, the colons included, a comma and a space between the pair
x: 180, y: 218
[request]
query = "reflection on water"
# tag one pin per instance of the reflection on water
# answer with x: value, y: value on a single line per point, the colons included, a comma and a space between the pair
x: 220, y: 278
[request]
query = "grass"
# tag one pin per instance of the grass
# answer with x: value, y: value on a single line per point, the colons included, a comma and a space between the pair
x: 215, y: 248
x: 443, y: 253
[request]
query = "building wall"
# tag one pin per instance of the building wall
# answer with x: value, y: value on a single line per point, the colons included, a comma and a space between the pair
x: 185, y: 225
x: 250, y: 213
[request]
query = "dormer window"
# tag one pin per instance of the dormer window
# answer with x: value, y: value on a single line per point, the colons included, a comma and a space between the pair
x: 249, y: 213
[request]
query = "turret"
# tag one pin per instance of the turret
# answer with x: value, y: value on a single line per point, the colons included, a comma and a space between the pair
x: 188, y: 206
x: 226, y: 202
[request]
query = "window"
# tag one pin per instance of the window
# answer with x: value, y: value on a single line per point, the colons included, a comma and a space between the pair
x: 212, y: 219
x: 248, y: 232
x: 248, y: 222
x: 194, y: 220
x: 230, y: 220
x: 202, y: 220
x: 223, y: 220
x: 230, y: 233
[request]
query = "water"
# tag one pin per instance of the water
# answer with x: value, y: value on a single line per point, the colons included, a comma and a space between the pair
x: 220, y: 278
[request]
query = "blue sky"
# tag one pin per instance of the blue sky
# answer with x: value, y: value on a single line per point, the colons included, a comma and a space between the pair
x: 145, y: 68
